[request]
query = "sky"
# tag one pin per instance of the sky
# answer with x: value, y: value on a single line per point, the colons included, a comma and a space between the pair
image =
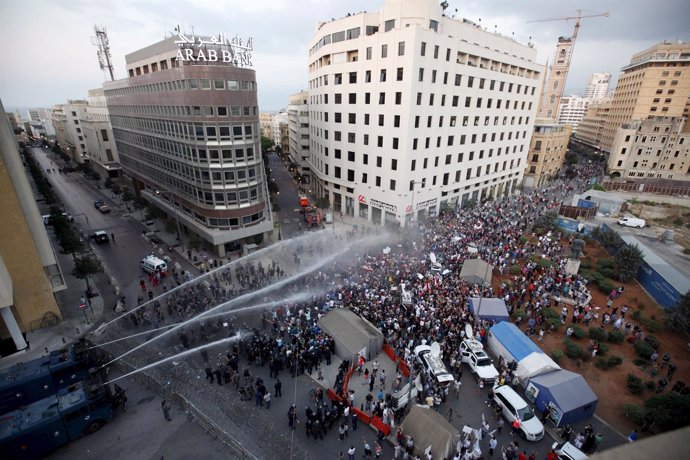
x: 48, y: 56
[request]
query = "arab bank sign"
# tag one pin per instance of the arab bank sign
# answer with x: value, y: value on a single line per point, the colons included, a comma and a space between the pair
x: 217, y: 48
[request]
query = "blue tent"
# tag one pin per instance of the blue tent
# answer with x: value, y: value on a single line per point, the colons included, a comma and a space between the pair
x: 492, y: 309
x: 513, y: 340
x: 569, y: 396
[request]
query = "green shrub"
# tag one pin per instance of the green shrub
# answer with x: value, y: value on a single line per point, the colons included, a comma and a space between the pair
x: 585, y: 264
x: 578, y: 333
x: 544, y: 263
x: 636, y: 315
x: 650, y: 384
x: 519, y: 313
x: 614, y: 361
x: 641, y: 362
x: 652, y: 325
x: 635, y: 413
x: 603, y: 349
x: 523, y: 239
x: 515, y: 270
x: 572, y: 351
x: 641, y: 306
x: 597, y: 333
x: 549, y: 313
x: 603, y: 364
x: 652, y: 341
x: 606, y: 263
x: 555, y: 322
x: 634, y: 384
x: 643, y: 349
x: 596, y: 277
x: 557, y: 355
x: 605, y: 286
x: 616, y: 337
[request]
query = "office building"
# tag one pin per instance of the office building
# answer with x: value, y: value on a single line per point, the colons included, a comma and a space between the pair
x: 98, y: 133
x: 412, y: 111
x: 572, y: 110
x: 265, y: 122
x: 186, y: 127
x: 547, y: 151
x: 298, y: 129
x: 29, y: 273
x: 657, y: 147
x: 655, y: 83
x: 598, y: 86
x: 590, y: 130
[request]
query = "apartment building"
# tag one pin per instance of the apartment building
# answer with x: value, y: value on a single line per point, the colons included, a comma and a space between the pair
x: 598, y: 85
x: 657, y: 147
x: 186, y: 126
x: 572, y: 110
x: 411, y: 111
x: 298, y: 131
x: 547, y: 152
x: 590, y: 130
x: 655, y: 83
x: 98, y: 134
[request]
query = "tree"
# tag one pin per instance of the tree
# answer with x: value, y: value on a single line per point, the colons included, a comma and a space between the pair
x: 171, y: 226
x: 85, y: 267
x: 109, y: 184
x: 545, y: 223
x: 194, y: 242
x: 628, y: 261
x: 668, y: 411
x: 127, y: 196
x: 678, y: 316
x: 140, y: 203
x: 323, y: 203
x: 266, y: 144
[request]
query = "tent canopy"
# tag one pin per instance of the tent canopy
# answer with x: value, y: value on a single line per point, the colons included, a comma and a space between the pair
x: 476, y: 271
x: 429, y: 428
x: 351, y: 333
x: 535, y: 364
x: 514, y: 341
x: 491, y: 309
x: 569, y: 390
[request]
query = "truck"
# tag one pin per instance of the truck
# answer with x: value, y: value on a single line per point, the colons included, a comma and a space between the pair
x: 303, y: 203
x: 25, y: 383
x: 632, y: 222
x: 82, y: 408
x: 473, y: 354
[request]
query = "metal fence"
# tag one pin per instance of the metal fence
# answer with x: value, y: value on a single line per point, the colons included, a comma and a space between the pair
x: 648, y: 187
x: 574, y: 212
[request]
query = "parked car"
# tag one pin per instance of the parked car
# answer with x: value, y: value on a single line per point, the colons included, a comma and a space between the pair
x: 514, y: 407
x: 567, y: 451
x: 632, y: 222
x: 100, y: 237
x: 480, y: 364
x: 48, y: 218
x: 104, y: 208
x: 98, y: 203
x: 432, y: 362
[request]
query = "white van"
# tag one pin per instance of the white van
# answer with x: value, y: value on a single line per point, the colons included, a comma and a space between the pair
x: 152, y: 264
x: 514, y: 407
x: 431, y: 361
x: 632, y: 222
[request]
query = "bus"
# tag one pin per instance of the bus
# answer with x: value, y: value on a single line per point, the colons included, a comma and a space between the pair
x: 80, y: 409
x: 24, y: 383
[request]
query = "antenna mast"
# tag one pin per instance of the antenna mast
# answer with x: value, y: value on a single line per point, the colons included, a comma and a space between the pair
x: 103, y: 43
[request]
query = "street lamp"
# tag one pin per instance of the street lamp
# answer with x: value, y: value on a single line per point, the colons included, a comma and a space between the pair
x: 177, y: 220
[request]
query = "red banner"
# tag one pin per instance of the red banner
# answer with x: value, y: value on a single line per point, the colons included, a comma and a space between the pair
x: 377, y: 423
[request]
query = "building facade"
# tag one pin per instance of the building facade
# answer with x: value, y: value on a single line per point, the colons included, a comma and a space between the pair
x: 29, y: 273
x: 572, y: 110
x: 411, y: 111
x: 547, y: 152
x: 590, y: 130
x: 186, y: 127
x: 265, y: 121
x: 555, y: 83
x: 655, y: 83
x: 298, y: 128
x: 98, y: 133
x: 59, y: 121
x: 73, y: 112
x: 598, y: 86
x: 657, y: 147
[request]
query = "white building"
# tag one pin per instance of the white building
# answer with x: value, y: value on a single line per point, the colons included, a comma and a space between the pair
x: 277, y: 120
x: 411, y: 110
x: 598, y: 85
x: 100, y: 143
x: 572, y: 110
x: 75, y: 111
x: 298, y: 127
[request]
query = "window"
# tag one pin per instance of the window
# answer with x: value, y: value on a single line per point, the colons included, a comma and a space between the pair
x: 104, y: 135
x: 379, y: 141
x: 364, y: 178
x: 368, y: 53
x: 392, y: 185
x: 419, y: 98
x: 384, y: 51
x: 399, y: 74
x: 398, y: 98
x: 401, y: 48
x: 470, y: 82
x: 338, y: 98
x: 353, y: 77
x: 421, y: 74
x: 367, y: 98
x: 382, y: 98
x: 352, y: 98
x: 388, y: 25
x: 383, y: 75
x: 436, y: 51
x: 395, y: 143
x: 378, y: 181
x: 338, y: 79
x: 351, y: 156
x: 366, y: 119
x: 458, y: 79
x: 433, y: 25
x: 423, y: 51
x: 381, y: 118
x: 352, y: 118
x: 365, y: 158
x: 396, y: 121
x: 367, y: 76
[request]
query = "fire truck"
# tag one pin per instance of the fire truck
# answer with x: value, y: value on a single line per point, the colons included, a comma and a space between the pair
x: 313, y: 217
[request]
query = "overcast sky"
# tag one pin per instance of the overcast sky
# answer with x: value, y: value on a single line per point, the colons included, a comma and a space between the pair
x: 47, y: 56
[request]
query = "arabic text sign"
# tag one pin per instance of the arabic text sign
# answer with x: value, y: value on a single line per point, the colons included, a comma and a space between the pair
x: 217, y: 48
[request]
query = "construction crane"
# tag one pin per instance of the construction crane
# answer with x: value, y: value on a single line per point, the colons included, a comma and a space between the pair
x: 564, y: 66
x: 577, y: 20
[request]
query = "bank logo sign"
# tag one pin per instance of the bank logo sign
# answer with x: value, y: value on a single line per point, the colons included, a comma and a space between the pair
x: 217, y: 48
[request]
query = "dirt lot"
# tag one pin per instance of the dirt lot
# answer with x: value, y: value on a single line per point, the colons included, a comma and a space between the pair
x: 610, y: 385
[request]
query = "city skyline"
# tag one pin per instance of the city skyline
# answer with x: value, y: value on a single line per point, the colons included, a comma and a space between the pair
x: 52, y: 67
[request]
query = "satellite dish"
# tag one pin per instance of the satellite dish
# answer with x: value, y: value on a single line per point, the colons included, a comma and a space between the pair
x: 432, y: 257
x: 468, y: 331
x: 435, y: 350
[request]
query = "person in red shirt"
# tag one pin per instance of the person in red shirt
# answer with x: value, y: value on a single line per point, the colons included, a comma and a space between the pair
x: 551, y: 455
x: 522, y: 455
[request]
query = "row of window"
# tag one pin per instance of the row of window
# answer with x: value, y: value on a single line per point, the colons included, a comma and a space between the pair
x: 185, y: 85
x: 188, y: 110
x: 236, y: 133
